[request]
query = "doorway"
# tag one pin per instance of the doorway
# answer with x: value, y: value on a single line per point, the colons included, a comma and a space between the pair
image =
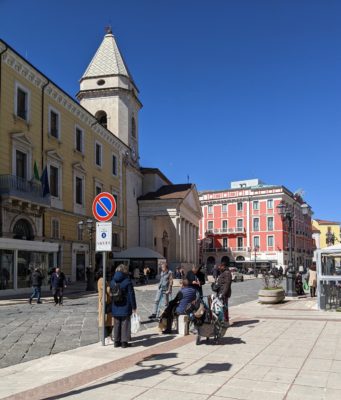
x: 80, y: 267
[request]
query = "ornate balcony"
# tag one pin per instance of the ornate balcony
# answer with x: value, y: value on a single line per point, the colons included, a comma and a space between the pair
x: 22, y: 190
x: 217, y: 249
x: 226, y: 231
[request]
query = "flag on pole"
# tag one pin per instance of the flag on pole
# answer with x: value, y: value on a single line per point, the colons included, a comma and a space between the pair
x: 36, y: 172
x: 45, y: 182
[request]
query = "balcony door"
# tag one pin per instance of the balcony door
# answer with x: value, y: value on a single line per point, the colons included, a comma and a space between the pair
x: 21, y: 165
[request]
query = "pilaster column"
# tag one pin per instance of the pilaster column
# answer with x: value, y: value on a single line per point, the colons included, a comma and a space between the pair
x: 182, y: 240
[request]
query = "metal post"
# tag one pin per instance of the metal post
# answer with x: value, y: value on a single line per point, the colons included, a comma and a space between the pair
x: 104, y: 296
x: 291, y: 290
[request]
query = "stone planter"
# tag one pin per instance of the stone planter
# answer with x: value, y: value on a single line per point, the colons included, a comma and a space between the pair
x: 271, y: 296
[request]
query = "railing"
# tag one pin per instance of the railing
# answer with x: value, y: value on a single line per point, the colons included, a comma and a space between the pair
x: 240, y: 249
x: 15, y: 186
x: 217, y: 249
x: 226, y: 231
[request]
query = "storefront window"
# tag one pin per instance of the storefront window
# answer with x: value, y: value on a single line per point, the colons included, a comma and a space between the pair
x: 27, y: 262
x: 329, y: 285
x: 6, y: 269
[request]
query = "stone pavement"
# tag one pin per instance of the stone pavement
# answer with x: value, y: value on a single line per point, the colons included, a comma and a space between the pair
x: 33, y: 331
x: 289, y: 351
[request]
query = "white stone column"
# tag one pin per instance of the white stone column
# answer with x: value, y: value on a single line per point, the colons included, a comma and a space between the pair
x: 193, y: 243
x: 187, y: 243
x: 182, y: 240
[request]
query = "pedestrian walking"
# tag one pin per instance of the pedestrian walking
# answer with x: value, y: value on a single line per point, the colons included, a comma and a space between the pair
x: 164, y: 290
x: 299, y: 284
x: 123, y: 305
x: 224, y: 291
x: 137, y: 275
x: 37, y: 280
x: 58, y: 284
x: 108, y: 319
x: 146, y: 273
x: 312, y: 280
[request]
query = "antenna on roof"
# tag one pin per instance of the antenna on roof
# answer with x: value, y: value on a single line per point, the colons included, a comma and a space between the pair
x: 108, y: 29
x: 187, y: 178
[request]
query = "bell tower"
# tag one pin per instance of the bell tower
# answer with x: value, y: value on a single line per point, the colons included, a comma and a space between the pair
x: 108, y: 91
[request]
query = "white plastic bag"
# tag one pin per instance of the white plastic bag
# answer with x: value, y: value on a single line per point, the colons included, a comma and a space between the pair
x: 135, y: 323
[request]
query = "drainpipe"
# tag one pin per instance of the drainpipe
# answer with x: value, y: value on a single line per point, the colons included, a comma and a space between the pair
x: 42, y: 140
x: 6, y: 48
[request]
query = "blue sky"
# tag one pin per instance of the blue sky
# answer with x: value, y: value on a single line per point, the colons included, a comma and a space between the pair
x: 231, y: 89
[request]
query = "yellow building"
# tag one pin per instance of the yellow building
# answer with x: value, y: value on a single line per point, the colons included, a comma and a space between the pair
x: 42, y: 129
x: 329, y: 233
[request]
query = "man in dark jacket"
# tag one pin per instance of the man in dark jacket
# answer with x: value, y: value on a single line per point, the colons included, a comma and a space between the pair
x: 224, y: 282
x: 36, y: 280
x: 58, y: 283
x: 196, y: 278
x: 123, y: 305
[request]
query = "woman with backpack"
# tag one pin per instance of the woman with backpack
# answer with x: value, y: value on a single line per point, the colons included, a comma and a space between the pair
x: 123, y: 305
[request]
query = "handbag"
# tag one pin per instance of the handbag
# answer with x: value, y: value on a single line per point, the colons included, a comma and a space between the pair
x: 215, y: 287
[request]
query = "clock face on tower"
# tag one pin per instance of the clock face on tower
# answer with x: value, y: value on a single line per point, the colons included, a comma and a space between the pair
x: 133, y: 153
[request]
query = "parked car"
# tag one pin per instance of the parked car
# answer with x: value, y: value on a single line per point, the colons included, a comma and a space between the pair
x: 236, y: 275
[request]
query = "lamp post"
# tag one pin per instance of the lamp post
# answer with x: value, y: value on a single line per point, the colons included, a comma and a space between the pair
x: 255, y: 269
x: 89, y: 224
x: 287, y: 214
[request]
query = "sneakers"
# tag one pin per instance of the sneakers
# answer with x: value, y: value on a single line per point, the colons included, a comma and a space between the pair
x: 152, y: 316
x: 108, y: 341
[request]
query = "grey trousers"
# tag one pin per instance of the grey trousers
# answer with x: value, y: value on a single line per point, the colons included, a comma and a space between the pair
x: 122, y: 329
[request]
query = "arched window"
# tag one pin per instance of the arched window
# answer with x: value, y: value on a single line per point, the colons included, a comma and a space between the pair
x: 133, y: 127
x: 23, y: 230
x: 101, y: 117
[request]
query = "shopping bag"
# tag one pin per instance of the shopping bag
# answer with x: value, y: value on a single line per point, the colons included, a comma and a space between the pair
x: 306, y: 287
x: 135, y: 323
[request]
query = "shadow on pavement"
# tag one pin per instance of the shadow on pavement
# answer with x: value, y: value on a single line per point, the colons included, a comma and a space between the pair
x: 246, y: 322
x: 151, y: 340
x: 148, y: 371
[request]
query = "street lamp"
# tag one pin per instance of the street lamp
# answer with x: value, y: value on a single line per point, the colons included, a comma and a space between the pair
x: 255, y: 270
x: 89, y: 224
x: 287, y: 214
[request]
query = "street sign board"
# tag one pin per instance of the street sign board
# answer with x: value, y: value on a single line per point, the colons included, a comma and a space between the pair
x: 103, y: 236
x: 104, y: 207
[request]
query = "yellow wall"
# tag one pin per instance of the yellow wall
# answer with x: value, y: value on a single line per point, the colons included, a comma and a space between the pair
x: 323, y: 228
x: 65, y: 149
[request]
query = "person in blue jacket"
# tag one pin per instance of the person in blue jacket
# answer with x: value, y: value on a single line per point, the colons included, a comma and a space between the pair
x: 123, y: 305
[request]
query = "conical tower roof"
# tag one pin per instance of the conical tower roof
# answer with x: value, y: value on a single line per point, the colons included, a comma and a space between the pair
x: 107, y: 61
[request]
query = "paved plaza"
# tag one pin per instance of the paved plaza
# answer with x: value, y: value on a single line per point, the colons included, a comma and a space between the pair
x: 289, y: 351
x: 32, y: 331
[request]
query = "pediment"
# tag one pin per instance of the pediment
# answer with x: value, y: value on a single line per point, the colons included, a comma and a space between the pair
x: 55, y: 155
x: 79, y: 167
x: 21, y: 138
x: 192, y: 202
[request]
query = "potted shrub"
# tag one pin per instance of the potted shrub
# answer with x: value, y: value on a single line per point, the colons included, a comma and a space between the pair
x: 272, y: 291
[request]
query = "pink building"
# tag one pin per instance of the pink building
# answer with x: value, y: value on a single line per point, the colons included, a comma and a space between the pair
x: 242, y: 225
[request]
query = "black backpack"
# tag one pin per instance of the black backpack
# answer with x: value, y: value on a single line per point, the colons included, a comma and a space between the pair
x: 117, y: 294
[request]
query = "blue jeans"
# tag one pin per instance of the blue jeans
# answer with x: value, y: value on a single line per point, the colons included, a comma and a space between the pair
x: 36, y: 293
x: 161, y: 298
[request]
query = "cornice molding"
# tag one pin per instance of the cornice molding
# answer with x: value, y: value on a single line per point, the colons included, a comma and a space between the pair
x: 22, y: 138
x: 37, y: 79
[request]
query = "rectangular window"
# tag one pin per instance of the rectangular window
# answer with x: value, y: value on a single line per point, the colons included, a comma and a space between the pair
x: 114, y: 165
x: 98, y: 154
x: 224, y: 208
x: 239, y: 224
x: 225, y: 243
x: 270, y: 241
x: 79, y: 190
x: 55, y: 229
x: 79, y: 139
x: 270, y: 223
x: 240, y: 206
x: 256, y: 224
x: 224, y: 225
x: 98, y: 190
x: 54, y: 124
x: 270, y: 203
x: 256, y: 205
x: 115, y: 240
x: 210, y: 225
x: 54, y: 181
x: 210, y: 209
x: 256, y: 242
x: 116, y: 199
x: 22, y: 104
x: 240, y: 243
x: 79, y: 233
x: 21, y: 164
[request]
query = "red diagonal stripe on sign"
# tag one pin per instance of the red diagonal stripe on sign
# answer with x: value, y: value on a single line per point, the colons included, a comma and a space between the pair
x: 103, y: 206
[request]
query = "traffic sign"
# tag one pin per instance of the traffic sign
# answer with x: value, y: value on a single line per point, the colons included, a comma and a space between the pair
x: 104, y: 207
x: 103, y: 236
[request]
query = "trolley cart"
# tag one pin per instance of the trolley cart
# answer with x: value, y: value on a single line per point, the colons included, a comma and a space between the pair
x: 215, y: 329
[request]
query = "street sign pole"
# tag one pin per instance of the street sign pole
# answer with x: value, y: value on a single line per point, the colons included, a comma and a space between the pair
x: 104, y: 255
x: 103, y: 209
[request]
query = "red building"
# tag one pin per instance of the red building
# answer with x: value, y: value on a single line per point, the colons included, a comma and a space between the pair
x: 243, y: 225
